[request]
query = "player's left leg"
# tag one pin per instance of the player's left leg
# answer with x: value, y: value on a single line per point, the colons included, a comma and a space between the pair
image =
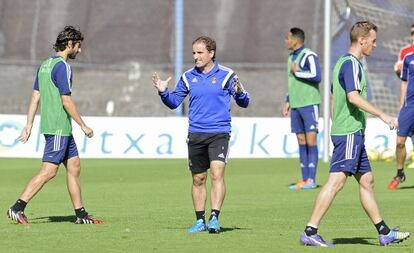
x: 217, y: 194
x: 218, y: 151
x: 311, y: 140
x: 74, y: 188
x: 367, y: 198
x: 298, y: 127
x: 73, y: 181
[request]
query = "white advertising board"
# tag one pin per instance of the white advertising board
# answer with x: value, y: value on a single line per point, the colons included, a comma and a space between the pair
x: 154, y: 137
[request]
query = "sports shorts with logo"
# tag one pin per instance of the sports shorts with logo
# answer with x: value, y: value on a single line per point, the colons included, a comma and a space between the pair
x: 304, y: 119
x: 59, y: 148
x: 349, y: 154
x: 206, y: 147
x: 406, y: 121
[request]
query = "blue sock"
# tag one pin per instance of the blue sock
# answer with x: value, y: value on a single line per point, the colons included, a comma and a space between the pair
x: 313, y: 161
x: 303, y: 158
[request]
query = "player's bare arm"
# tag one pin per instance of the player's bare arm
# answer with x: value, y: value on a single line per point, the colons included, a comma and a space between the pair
x: 159, y: 84
x: 403, y: 91
x: 356, y: 99
x: 285, y: 109
x: 73, y: 112
x: 34, y: 104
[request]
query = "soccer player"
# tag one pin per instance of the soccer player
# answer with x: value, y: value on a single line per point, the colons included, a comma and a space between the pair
x: 304, y: 76
x: 53, y: 88
x: 349, y: 157
x: 406, y: 109
x: 210, y: 87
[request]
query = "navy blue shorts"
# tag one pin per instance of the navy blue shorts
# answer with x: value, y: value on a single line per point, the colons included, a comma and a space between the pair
x: 304, y: 119
x: 406, y: 122
x: 349, y: 154
x: 59, y: 148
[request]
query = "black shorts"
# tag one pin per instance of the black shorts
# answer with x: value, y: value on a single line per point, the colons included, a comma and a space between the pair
x: 206, y: 147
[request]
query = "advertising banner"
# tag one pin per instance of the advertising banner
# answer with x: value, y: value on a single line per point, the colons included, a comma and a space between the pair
x: 156, y: 137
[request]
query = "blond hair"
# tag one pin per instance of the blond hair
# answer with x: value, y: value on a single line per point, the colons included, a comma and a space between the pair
x: 361, y: 29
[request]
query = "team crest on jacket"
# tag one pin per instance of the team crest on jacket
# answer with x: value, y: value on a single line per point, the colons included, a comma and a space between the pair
x: 214, y: 80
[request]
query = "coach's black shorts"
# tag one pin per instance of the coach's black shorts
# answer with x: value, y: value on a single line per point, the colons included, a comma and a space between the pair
x: 206, y: 147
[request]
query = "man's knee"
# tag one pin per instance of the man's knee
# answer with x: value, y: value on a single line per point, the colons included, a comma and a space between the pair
x: 74, y: 172
x: 47, y: 174
x: 400, y: 145
x: 301, y: 139
x: 199, y: 179
x: 367, y: 183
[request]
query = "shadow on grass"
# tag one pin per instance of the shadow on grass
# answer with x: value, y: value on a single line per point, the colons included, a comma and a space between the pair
x: 317, y: 186
x: 223, y: 229
x: 353, y: 240
x: 406, y: 187
x: 47, y: 219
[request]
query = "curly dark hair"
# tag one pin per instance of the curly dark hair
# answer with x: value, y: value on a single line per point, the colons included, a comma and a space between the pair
x: 69, y: 33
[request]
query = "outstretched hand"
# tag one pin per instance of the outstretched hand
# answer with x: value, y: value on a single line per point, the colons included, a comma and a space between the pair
x: 159, y: 84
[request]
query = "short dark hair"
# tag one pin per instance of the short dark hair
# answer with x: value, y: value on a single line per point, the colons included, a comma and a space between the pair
x: 298, y: 33
x: 69, y: 33
x: 361, y: 29
x: 209, y: 42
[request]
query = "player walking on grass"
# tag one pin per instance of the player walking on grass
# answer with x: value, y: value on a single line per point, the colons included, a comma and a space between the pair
x: 210, y: 86
x: 405, y: 68
x: 349, y: 157
x: 53, y: 88
x: 304, y: 76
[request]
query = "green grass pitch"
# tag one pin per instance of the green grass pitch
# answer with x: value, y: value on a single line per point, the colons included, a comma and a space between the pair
x: 147, y: 208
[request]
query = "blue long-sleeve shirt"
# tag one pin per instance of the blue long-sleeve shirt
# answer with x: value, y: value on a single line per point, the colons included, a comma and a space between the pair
x: 309, y: 65
x: 209, y: 108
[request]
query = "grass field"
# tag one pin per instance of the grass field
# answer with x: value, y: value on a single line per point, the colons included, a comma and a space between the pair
x: 147, y: 208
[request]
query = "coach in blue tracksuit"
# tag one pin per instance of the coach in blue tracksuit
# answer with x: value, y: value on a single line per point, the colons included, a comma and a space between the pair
x: 210, y: 86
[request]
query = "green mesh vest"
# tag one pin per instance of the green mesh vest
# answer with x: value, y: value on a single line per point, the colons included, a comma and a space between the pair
x: 301, y: 93
x: 54, y: 119
x: 347, y: 118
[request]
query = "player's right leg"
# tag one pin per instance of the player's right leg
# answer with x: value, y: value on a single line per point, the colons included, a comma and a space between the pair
x: 297, y: 126
x: 199, y: 195
x: 198, y: 163
x: 47, y: 172
x: 310, y: 116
